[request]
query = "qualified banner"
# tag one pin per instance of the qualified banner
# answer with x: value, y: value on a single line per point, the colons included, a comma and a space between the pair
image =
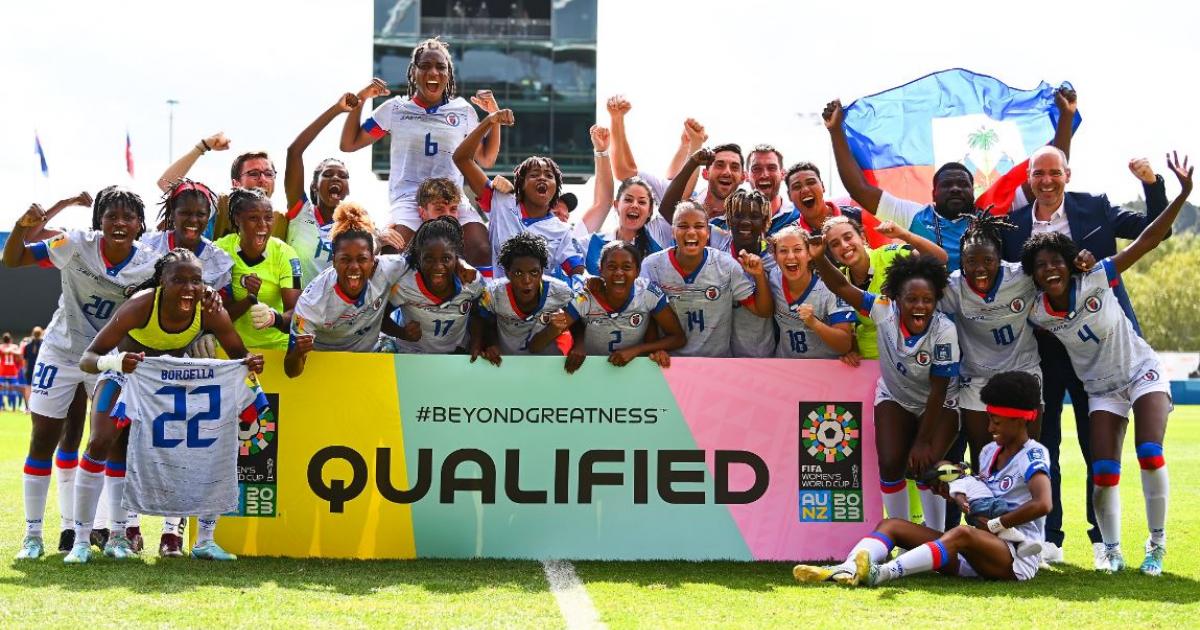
x: 404, y: 456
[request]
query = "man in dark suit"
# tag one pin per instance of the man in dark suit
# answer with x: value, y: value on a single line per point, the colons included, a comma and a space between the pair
x: 1094, y: 224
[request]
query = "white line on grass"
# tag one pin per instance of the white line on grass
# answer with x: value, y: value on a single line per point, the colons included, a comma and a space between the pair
x: 571, y: 596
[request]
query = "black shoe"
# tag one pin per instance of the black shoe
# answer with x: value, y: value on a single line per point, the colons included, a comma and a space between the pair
x: 134, y: 534
x: 66, y: 540
x: 99, y: 538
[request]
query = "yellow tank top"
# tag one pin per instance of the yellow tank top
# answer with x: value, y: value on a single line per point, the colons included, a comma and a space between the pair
x: 154, y: 337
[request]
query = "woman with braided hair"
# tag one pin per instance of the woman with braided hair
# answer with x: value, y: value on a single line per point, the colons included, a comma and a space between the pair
x: 426, y: 126
x: 163, y: 317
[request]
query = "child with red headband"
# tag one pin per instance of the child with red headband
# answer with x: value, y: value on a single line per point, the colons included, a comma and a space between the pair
x: 1014, y: 469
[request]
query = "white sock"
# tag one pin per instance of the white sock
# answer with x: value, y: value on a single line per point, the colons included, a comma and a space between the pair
x: 927, y: 557
x: 1106, y: 501
x: 933, y: 507
x: 101, y: 520
x: 1155, y: 488
x: 877, y: 545
x: 895, y: 498
x: 133, y: 519
x: 171, y: 525
x: 207, y: 525
x: 36, y: 488
x: 116, y: 493
x: 87, y: 498
x: 67, y: 464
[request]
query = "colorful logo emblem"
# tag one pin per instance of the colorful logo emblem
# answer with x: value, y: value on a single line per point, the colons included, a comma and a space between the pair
x: 452, y: 119
x: 712, y: 293
x: 1017, y: 305
x: 830, y: 433
x: 1092, y: 304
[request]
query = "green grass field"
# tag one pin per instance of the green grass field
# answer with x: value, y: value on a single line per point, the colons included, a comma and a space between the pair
x: 268, y: 592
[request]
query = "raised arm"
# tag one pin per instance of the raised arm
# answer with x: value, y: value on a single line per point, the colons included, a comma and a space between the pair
x: 852, y: 175
x: 16, y: 252
x: 1064, y: 99
x: 464, y: 155
x: 1128, y: 223
x: 354, y: 137
x: 692, y: 139
x: 602, y: 197
x: 293, y: 170
x: 179, y: 169
x: 623, y: 165
x: 1161, y: 225
x: 675, y: 190
x: 923, y: 245
x: 41, y: 232
x: 489, y: 149
x: 833, y: 278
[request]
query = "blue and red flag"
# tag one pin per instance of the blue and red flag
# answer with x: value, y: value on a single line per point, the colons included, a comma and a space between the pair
x: 128, y: 154
x: 900, y: 136
x: 37, y: 148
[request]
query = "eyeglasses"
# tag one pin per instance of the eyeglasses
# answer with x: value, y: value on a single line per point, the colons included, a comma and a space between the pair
x: 267, y: 174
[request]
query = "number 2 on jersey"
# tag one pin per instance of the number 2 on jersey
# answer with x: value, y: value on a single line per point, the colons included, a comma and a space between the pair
x: 616, y: 339
x: 179, y: 414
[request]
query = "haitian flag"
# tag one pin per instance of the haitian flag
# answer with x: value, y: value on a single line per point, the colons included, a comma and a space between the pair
x: 900, y: 136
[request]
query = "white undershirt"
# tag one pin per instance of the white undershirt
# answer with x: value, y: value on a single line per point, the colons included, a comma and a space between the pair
x: 1057, y: 223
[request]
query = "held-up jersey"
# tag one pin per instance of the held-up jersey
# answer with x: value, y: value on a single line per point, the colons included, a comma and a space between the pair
x: 906, y: 362
x: 215, y: 264
x: 423, y: 140
x: 993, y: 328
x: 507, y: 218
x: 183, y: 440
x: 516, y: 328
x: 703, y: 300
x: 1011, y: 483
x: 443, y: 322
x: 1105, y: 352
x: 92, y: 286
x: 310, y: 238
x: 338, y: 322
x: 797, y: 341
x: 610, y: 328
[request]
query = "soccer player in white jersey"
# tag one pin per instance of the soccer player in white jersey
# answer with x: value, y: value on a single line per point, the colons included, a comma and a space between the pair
x: 310, y: 212
x: 163, y: 317
x: 427, y: 127
x: 100, y: 268
x: 813, y: 322
x: 637, y: 223
x: 620, y: 314
x: 703, y: 284
x: 436, y: 305
x: 747, y: 213
x: 344, y: 308
x: 537, y: 183
x: 518, y: 308
x: 1016, y: 470
x: 916, y: 414
x: 1118, y: 368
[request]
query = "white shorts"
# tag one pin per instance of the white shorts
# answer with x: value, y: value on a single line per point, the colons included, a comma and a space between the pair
x: 55, y: 377
x: 970, y: 386
x: 404, y: 212
x: 1023, y: 568
x: 882, y: 394
x: 1149, y: 379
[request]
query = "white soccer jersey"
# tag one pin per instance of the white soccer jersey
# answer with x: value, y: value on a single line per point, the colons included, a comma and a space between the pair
x: 658, y: 231
x: 507, y: 218
x: 703, y: 300
x: 993, y: 329
x: 1011, y: 483
x: 183, y: 440
x: 215, y: 264
x: 423, y: 140
x: 609, y: 328
x: 1105, y: 351
x: 92, y: 287
x: 310, y: 238
x: 752, y: 336
x: 906, y: 362
x: 443, y: 322
x: 517, y: 328
x: 797, y: 341
x: 339, y: 323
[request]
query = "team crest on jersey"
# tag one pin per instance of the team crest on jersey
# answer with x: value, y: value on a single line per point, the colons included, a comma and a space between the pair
x: 1017, y: 305
x: 1006, y: 483
x: 712, y: 293
x: 129, y: 290
x: 1034, y: 454
x: 941, y: 352
x: 465, y: 307
x: 922, y: 358
x: 377, y: 303
x: 635, y: 319
x: 1150, y: 376
x: 544, y: 319
x: 1092, y: 304
x: 452, y: 119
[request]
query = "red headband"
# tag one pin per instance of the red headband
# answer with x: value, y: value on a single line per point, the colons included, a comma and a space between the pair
x: 187, y: 185
x: 1029, y: 415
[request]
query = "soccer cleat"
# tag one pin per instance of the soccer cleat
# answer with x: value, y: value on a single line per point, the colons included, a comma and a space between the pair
x: 31, y: 548
x: 170, y: 546
x: 1114, y: 561
x: 134, y: 534
x: 66, y: 540
x: 119, y: 548
x: 99, y: 538
x: 1152, y: 565
x: 874, y: 575
x: 1051, y: 553
x: 862, y: 567
x: 809, y: 573
x: 210, y: 550
x: 841, y: 575
x: 80, y: 554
